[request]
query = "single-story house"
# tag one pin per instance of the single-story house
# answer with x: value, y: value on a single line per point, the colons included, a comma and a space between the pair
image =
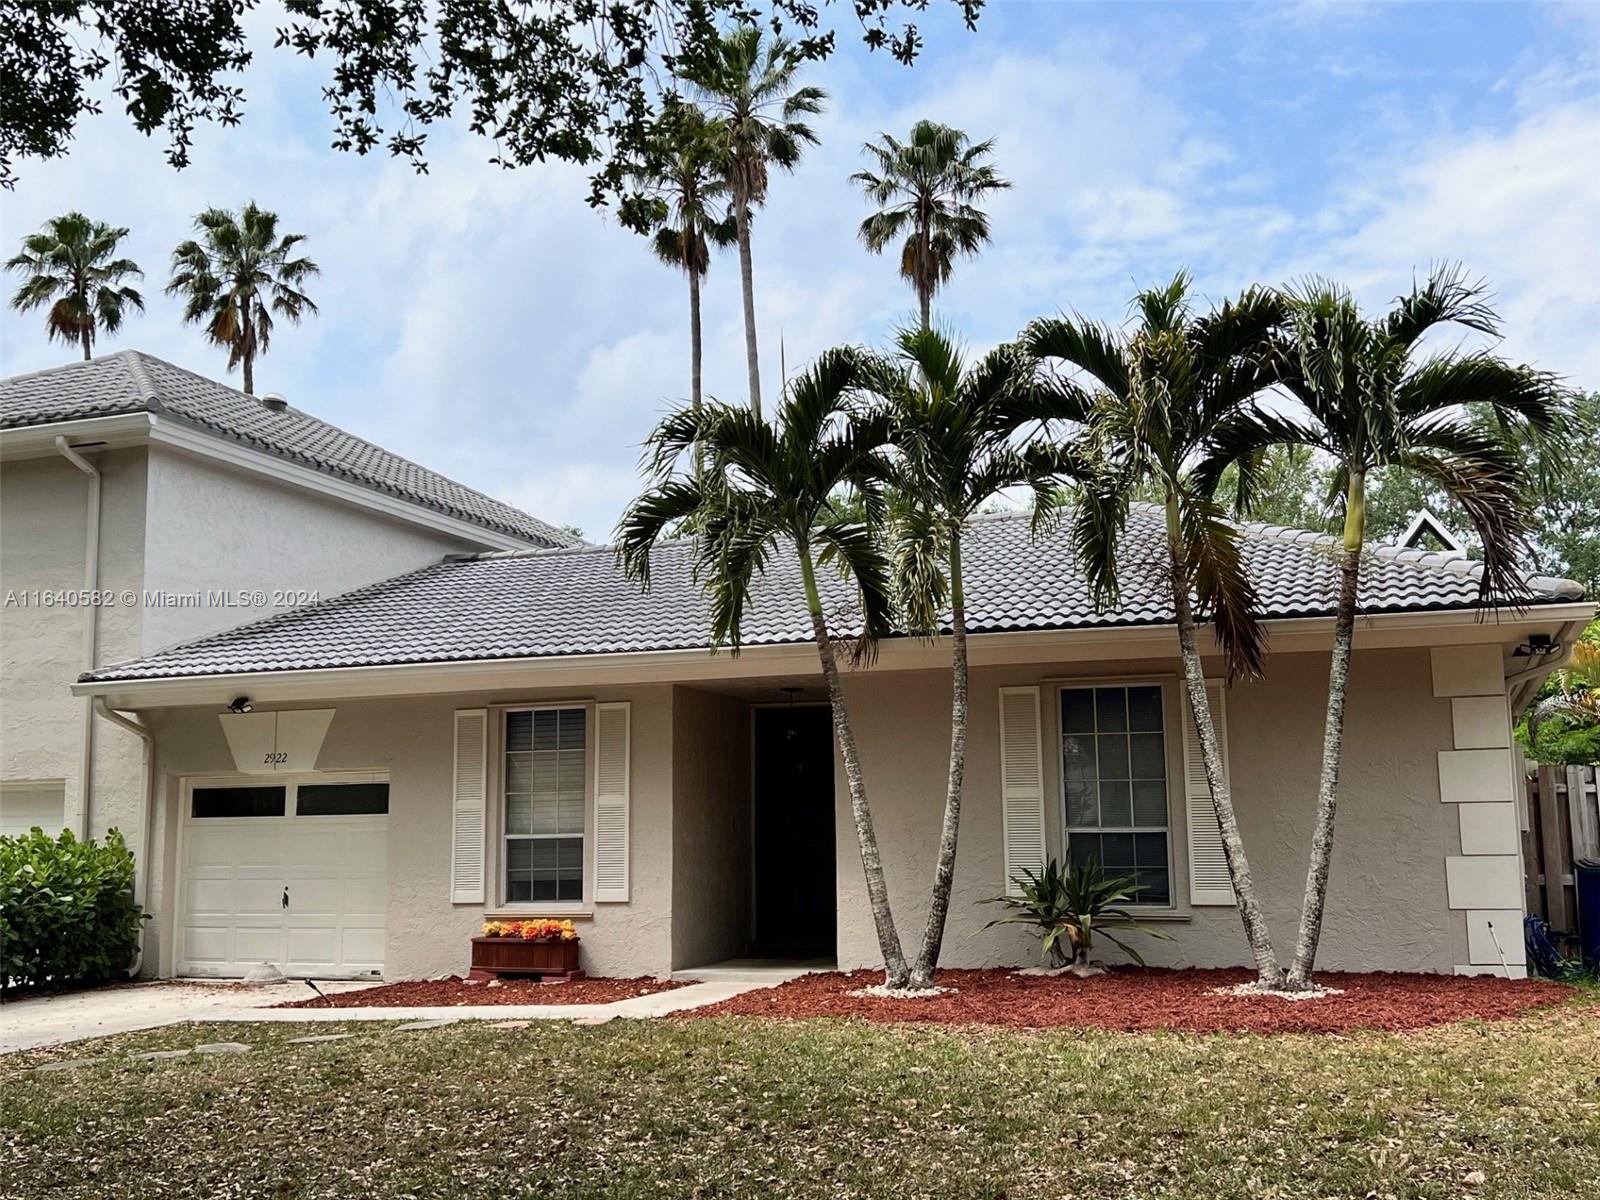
x: 352, y: 787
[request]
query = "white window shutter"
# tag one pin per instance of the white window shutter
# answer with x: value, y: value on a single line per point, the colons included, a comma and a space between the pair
x: 470, y: 809
x: 1021, y: 783
x: 612, y: 734
x: 1209, y: 881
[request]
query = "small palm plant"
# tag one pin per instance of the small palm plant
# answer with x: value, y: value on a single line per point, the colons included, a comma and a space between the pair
x: 1067, y: 907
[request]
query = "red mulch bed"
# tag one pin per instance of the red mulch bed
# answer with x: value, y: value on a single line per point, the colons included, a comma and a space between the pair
x: 1140, y: 999
x: 455, y: 993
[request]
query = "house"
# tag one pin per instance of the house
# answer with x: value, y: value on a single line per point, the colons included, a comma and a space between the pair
x: 185, y: 507
x: 524, y: 732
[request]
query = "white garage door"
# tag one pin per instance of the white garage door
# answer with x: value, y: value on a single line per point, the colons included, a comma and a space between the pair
x: 292, y: 871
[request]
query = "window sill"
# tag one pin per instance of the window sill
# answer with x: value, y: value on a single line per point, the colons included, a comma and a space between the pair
x: 518, y: 912
x: 1159, y: 914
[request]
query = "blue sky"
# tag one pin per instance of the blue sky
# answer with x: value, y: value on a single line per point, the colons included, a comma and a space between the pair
x: 490, y: 325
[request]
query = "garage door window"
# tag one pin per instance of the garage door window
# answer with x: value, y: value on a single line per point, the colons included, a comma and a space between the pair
x: 239, y: 801
x: 342, y: 799
x: 546, y: 797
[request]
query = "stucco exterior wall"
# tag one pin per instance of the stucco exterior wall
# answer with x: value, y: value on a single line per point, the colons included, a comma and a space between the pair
x: 1387, y: 905
x: 413, y: 741
x: 710, y: 827
x: 213, y: 528
x: 43, y: 518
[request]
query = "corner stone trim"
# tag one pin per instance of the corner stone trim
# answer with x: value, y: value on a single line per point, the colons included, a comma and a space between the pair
x: 1484, y: 881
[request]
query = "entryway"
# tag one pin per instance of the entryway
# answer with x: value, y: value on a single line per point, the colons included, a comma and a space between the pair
x: 292, y: 871
x: 794, y: 900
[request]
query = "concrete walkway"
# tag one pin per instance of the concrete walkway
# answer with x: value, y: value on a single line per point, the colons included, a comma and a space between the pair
x: 54, y: 1020
x: 100, y: 1012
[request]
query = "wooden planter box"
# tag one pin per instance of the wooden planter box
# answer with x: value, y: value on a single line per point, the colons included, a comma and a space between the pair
x: 546, y: 958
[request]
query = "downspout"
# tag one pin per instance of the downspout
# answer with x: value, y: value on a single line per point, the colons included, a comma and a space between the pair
x: 147, y: 791
x: 91, y: 629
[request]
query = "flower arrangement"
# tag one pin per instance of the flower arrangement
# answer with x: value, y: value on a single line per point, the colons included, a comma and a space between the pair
x: 541, y: 930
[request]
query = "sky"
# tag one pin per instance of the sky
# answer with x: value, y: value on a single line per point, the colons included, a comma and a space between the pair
x: 491, y: 326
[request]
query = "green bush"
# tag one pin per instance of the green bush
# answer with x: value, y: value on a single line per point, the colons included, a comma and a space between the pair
x: 1562, y: 739
x: 67, y: 914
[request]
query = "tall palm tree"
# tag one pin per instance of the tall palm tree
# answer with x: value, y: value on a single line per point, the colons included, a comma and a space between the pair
x: 1159, y: 389
x: 236, y: 276
x: 687, y: 182
x: 749, y: 87
x: 954, y: 427
x: 1367, y: 401
x: 927, y: 189
x: 68, y: 265
x: 764, y: 490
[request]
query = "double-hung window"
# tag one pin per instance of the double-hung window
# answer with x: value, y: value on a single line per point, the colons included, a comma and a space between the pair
x: 546, y: 799
x: 1114, y: 776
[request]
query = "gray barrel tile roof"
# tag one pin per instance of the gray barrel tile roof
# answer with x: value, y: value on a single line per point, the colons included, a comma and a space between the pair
x: 131, y: 382
x: 547, y: 603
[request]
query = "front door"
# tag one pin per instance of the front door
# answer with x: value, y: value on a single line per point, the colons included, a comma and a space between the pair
x: 795, y: 906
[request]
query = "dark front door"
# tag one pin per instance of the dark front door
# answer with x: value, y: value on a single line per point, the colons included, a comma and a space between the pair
x: 794, y: 832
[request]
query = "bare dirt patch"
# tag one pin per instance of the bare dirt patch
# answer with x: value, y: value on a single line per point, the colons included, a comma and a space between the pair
x: 1139, y: 999
x: 457, y: 993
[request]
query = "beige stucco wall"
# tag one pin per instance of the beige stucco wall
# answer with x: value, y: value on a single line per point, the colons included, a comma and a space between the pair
x: 413, y: 741
x: 689, y: 844
x: 710, y: 827
x: 43, y: 519
x: 1386, y: 908
x: 214, y: 528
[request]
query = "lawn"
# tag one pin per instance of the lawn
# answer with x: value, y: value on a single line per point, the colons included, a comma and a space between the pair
x: 746, y: 1107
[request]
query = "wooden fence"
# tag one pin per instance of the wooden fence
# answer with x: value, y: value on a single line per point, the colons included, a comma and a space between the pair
x: 1563, y: 826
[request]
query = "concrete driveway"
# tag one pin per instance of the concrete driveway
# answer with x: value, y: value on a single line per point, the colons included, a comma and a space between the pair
x: 73, y: 1016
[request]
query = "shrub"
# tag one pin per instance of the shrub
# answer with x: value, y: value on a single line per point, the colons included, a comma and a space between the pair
x: 67, y: 914
x: 1066, y: 908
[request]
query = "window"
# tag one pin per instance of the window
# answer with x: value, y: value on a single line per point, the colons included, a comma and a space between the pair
x: 1114, y: 776
x: 342, y: 799
x: 238, y: 801
x: 546, y: 799
x: 25, y: 804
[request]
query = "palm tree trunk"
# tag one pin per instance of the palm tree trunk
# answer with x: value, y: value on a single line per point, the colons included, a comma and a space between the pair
x: 924, y: 274
x: 747, y: 282
x: 1311, y: 910
x: 86, y: 336
x: 894, y: 960
x: 249, y: 355
x: 694, y: 337
x: 945, y: 872
x: 1268, y: 972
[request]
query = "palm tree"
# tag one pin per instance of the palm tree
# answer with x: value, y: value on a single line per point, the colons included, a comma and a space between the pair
x: 749, y: 88
x: 954, y: 428
x: 1159, y: 390
x: 686, y: 181
x: 927, y: 189
x: 765, y: 490
x: 1368, y: 403
x: 237, y: 276
x: 68, y: 265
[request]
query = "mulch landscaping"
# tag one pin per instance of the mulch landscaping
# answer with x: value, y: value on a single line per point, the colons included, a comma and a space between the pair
x: 456, y: 993
x: 1140, y: 999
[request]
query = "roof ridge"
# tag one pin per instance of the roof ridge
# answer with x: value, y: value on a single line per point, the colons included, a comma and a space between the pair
x: 134, y: 361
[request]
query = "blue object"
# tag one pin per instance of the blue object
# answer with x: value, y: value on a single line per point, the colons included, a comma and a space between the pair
x: 1544, y: 956
x: 1586, y: 877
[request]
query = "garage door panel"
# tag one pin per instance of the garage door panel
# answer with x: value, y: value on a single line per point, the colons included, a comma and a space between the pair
x: 236, y: 869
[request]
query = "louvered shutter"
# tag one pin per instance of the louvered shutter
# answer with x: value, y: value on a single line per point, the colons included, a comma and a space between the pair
x: 1021, y: 783
x: 1209, y: 881
x: 611, y: 765
x: 469, y: 809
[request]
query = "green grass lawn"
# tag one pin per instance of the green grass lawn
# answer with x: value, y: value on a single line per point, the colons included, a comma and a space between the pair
x: 744, y: 1108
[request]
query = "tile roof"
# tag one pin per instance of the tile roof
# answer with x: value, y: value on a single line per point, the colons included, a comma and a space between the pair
x: 546, y: 603
x: 131, y: 382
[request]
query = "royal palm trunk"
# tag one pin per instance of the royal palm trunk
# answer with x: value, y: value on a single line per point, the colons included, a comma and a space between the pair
x: 894, y: 961
x: 1311, y: 910
x: 747, y: 283
x: 1268, y: 971
x: 944, y: 872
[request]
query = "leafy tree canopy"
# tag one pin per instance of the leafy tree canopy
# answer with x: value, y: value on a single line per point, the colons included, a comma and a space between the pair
x: 576, y: 80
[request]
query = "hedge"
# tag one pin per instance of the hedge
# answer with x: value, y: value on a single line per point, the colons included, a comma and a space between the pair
x: 67, y: 915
